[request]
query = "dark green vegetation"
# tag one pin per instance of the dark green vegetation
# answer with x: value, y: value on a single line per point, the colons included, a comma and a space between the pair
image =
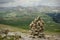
x: 23, y: 19
x: 55, y: 16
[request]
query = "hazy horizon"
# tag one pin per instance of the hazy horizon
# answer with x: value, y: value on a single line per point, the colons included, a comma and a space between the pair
x: 25, y: 3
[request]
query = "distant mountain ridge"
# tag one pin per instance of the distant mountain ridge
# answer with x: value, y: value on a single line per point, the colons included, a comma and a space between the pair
x: 19, y: 11
x: 34, y: 8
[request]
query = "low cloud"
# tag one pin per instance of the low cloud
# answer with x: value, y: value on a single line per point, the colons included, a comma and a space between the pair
x: 13, y: 3
x: 5, y: 1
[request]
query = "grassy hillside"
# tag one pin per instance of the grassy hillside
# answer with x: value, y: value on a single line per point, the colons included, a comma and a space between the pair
x: 22, y: 20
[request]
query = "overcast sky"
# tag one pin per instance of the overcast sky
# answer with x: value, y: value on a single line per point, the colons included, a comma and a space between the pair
x: 14, y: 3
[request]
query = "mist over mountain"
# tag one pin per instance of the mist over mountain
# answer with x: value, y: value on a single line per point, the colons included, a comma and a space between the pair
x: 33, y: 8
x: 20, y: 13
x: 8, y: 13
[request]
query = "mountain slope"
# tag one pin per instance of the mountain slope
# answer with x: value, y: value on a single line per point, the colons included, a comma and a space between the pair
x: 23, y: 21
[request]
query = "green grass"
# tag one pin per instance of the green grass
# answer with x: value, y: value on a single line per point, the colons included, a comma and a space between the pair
x: 23, y: 21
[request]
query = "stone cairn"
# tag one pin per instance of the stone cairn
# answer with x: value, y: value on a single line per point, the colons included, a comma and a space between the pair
x: 37, y: 28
